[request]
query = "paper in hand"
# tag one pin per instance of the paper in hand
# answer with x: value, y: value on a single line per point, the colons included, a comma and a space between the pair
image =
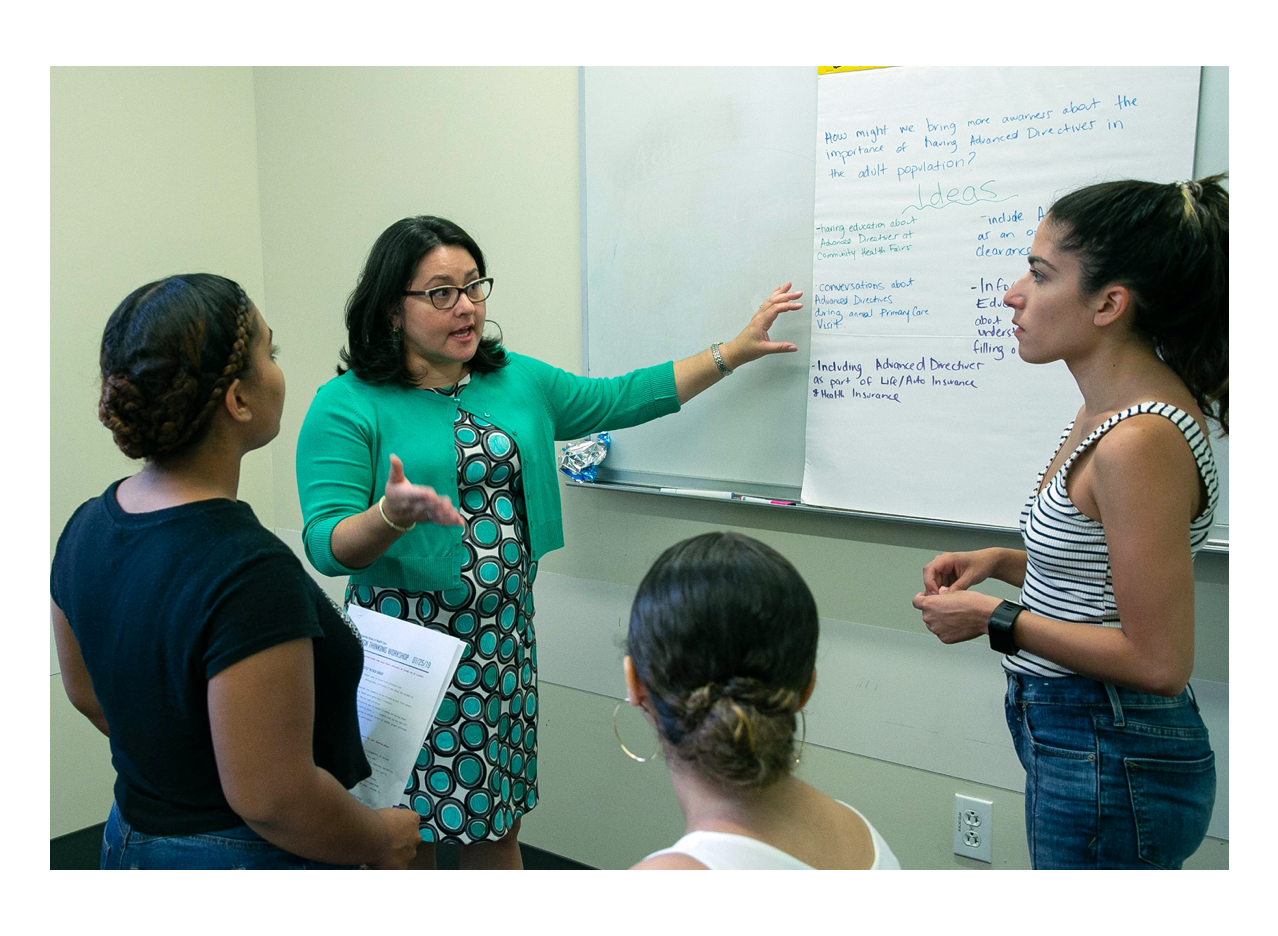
x: 406, y: 671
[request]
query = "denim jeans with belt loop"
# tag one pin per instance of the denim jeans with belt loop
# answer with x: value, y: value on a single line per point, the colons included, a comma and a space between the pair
x: 1114, y: 778
x: 124, y: 847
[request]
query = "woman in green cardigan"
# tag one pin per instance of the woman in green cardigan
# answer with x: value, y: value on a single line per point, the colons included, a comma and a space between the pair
x: 426, y: 473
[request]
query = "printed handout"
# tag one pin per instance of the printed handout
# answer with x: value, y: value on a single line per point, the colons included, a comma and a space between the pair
x: 406, y: 670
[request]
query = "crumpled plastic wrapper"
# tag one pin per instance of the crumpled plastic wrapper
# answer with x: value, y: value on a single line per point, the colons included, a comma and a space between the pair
x: 580, y: 461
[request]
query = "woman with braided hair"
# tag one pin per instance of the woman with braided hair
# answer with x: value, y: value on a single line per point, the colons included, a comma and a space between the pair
x: 188, y: 634
x: 1128, y: 284
x: 722, y: 656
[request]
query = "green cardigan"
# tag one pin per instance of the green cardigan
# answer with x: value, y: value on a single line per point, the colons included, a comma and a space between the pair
x: 352, y: 427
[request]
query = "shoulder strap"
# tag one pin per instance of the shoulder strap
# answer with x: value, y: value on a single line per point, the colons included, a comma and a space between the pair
x: 1188, y: 427
x: 1038, y: 482
x: 1161, y: 409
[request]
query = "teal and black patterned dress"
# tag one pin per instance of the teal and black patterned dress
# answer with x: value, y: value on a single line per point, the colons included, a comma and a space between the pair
x: 477, y: 770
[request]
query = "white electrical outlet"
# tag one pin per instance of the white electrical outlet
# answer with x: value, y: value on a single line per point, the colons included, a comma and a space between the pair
x: 973, y: 827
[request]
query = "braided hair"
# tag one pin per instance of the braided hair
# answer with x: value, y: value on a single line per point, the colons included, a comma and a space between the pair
x: 1169, y: 245
x: 169, y: 352
x: 723, y: 635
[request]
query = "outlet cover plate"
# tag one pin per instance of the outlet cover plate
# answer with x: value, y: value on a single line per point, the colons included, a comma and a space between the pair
x: 973, y: 827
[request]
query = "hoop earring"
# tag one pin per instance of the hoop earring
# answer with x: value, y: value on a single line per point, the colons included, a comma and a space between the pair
x: 804, y: 740
x: 629, y: 753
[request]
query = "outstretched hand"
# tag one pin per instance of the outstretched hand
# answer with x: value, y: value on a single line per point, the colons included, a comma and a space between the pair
x: 754, y: 341
x: 407, y: 503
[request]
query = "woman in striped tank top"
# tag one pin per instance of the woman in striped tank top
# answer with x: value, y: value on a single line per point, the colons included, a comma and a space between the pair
x: 1128, y: 285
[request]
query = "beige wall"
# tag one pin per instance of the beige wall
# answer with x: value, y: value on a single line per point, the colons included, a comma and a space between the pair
x: 153, y: 171
x: 342, y: 153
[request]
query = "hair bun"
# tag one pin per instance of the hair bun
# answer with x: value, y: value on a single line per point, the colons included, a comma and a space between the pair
x: 764, y: 698
x: 740, y: 732
x: 122, y: 409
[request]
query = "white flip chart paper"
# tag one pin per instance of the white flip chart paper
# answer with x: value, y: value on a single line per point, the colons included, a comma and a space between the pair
x: 930, y: 184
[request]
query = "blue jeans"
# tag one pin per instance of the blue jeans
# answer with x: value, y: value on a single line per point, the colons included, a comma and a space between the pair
x: 239, y: 847
x: 1114, y: 778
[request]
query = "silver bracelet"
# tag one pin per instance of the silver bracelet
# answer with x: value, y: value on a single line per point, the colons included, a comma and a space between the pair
x: 718, y: 359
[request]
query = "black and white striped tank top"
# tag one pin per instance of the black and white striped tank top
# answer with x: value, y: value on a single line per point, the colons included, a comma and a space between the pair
x: 1067, y: 573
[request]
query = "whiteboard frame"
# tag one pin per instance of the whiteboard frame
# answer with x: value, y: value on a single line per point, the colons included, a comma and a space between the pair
x: 1217, y: 546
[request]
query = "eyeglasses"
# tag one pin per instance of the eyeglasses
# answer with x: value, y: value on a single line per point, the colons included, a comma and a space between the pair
x: 445, y: 297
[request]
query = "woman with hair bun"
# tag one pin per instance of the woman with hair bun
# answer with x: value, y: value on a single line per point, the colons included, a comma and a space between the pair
x: 722, y: 656
x: 1129, y: 285
x: 188, y: 634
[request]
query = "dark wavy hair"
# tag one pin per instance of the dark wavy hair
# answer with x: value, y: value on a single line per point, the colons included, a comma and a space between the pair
x: 374, y: 350
x: 723, y: 635
x: 1169, y: 245
x: 169, y: 352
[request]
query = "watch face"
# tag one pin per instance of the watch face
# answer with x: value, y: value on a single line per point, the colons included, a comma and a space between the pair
x: 1000, y: 627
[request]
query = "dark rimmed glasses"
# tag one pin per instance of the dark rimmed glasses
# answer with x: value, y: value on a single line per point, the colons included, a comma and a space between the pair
x: 445, y: 297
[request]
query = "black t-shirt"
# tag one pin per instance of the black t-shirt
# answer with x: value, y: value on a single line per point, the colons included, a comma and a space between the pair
x: 160, y: 603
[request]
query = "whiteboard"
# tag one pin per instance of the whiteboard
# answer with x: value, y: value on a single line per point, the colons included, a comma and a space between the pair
x: 697, y: 191
x: 697, y: 199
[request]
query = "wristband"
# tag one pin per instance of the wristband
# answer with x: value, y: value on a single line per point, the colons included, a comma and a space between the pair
x: 718, y: 359
x: 1000, y: 627
x: 394, y: 526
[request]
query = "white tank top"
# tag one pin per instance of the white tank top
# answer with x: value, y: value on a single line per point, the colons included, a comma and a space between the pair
x: 724, y: 851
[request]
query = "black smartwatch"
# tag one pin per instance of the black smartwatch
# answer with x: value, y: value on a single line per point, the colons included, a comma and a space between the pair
x: 1001, y: 622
